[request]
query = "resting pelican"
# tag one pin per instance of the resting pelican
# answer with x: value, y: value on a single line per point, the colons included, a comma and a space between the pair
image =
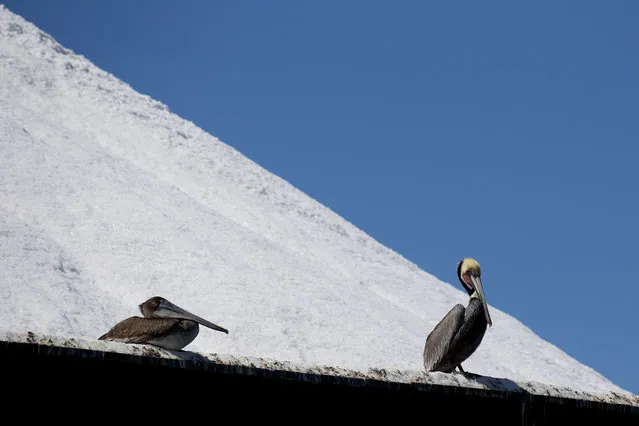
x: 164, y: 325
x: 461, y: 331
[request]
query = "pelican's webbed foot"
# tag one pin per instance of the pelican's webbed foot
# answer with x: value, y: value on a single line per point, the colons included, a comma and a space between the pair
x: 465, y: 373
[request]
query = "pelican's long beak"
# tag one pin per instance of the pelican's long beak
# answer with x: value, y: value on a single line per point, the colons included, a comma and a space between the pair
x: 480, y: 290
x: 169, y: 310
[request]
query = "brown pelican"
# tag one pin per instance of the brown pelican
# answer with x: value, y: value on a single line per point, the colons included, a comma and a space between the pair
x: 461, y: 331
x: 164, y: 324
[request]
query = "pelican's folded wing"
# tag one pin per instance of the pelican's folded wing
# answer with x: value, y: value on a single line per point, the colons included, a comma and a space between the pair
x: 438, y: 341
x: 139, y: 330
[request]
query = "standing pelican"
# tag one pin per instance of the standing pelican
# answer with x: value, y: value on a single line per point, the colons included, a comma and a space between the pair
x: 457, y: 336
x: 164, y: 324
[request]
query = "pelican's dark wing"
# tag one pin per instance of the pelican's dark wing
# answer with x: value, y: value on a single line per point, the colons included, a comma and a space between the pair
x: 139, y: 330
x: 438, y: 341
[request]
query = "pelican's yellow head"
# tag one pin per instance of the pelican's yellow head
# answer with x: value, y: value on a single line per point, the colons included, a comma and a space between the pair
x: 466, y: 266
x: 469, y: 274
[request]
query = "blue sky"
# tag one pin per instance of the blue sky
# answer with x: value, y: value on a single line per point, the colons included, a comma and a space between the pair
x: 504, y: 131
